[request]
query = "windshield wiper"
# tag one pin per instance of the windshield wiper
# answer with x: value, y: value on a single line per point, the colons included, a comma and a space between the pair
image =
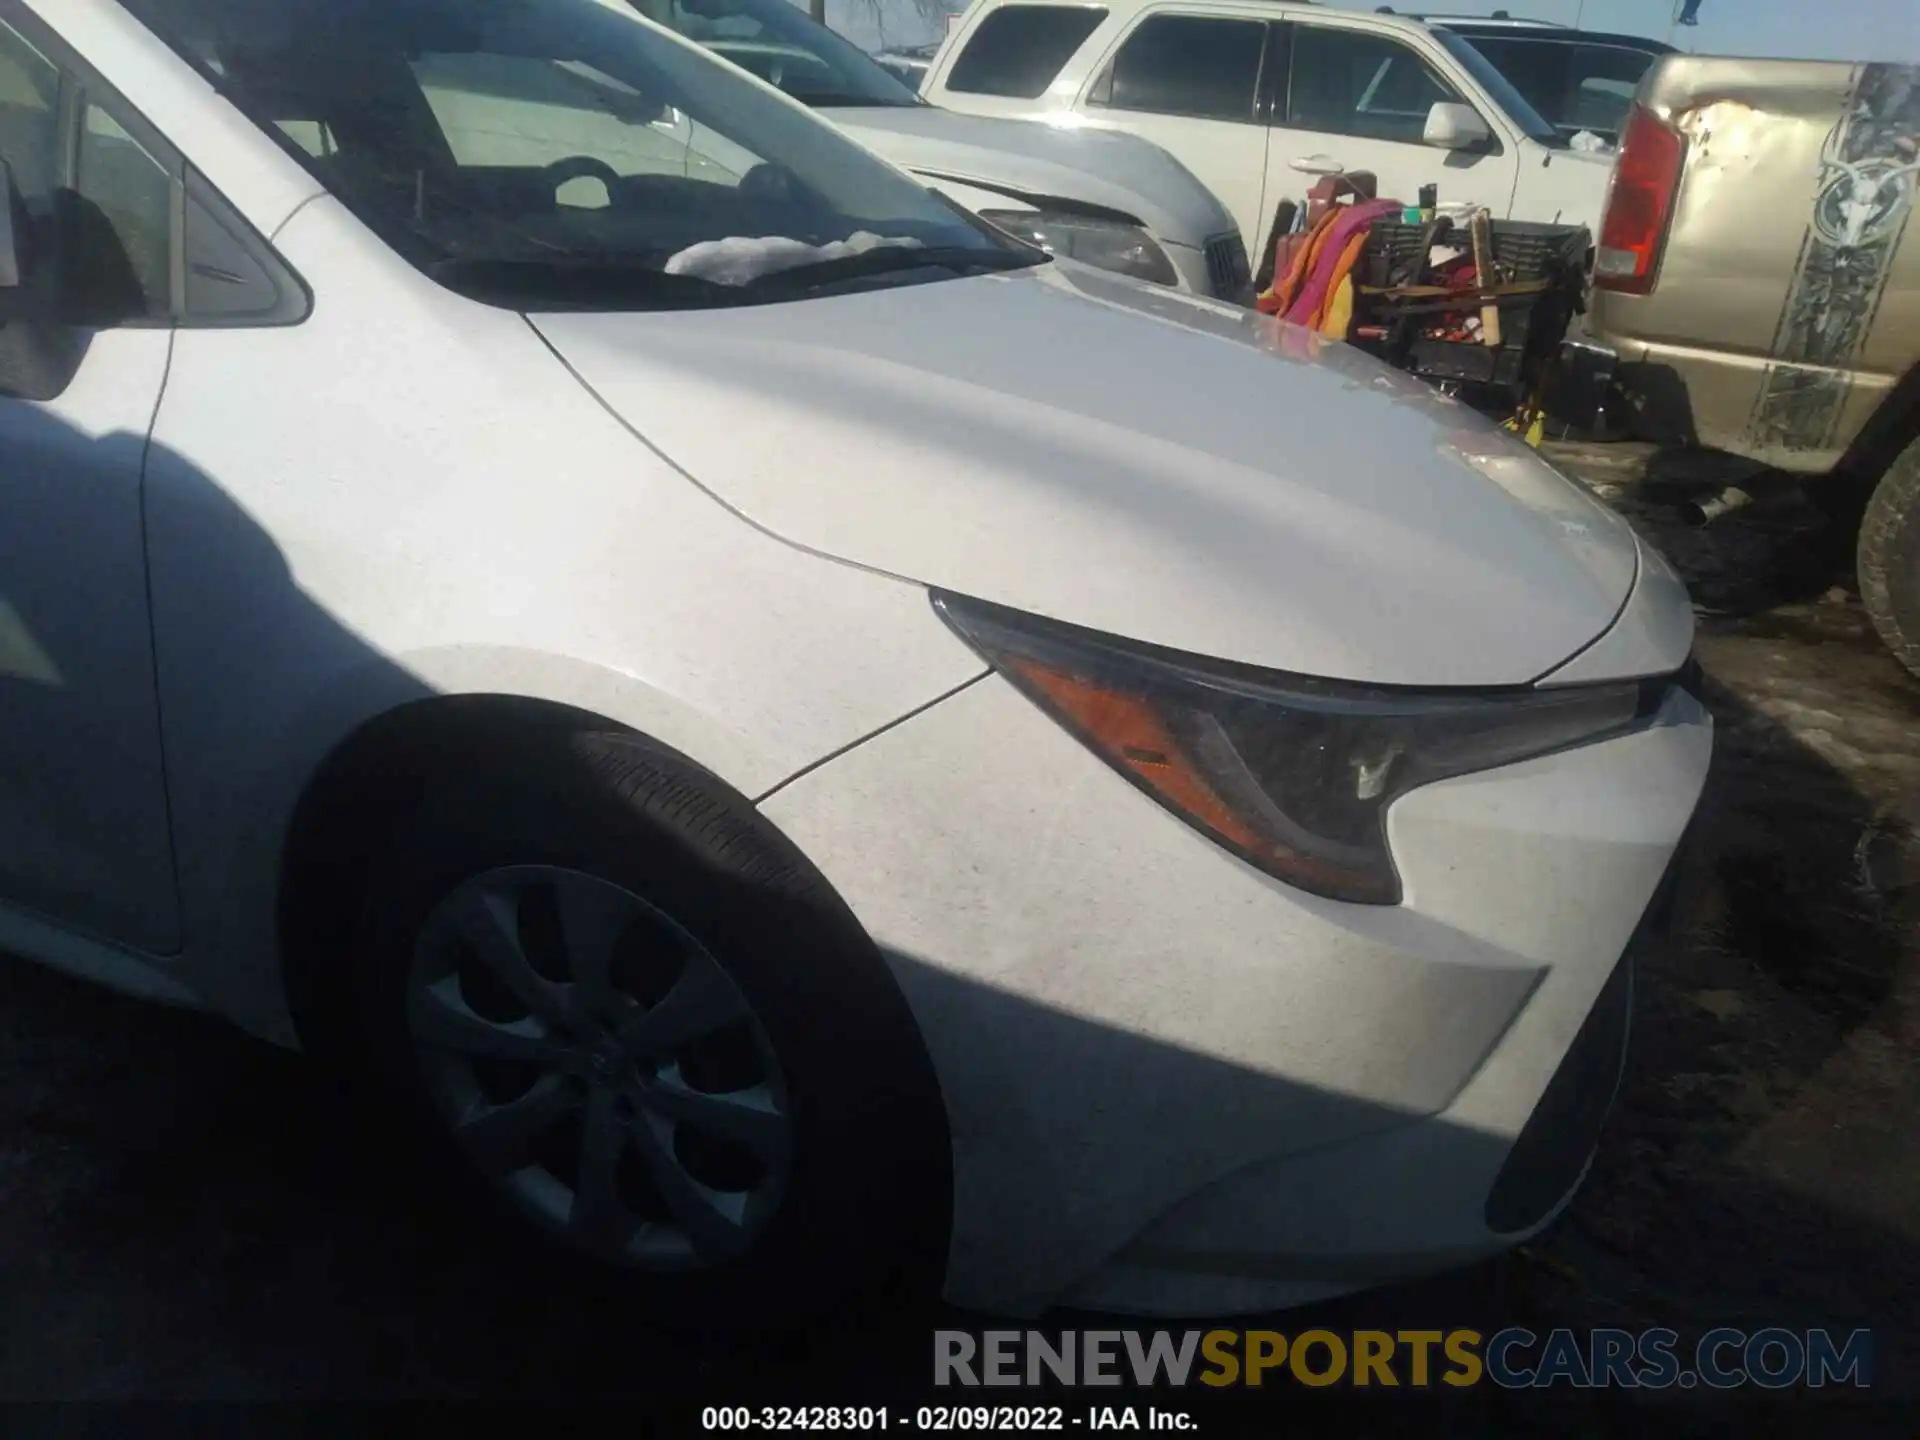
x: 840, y: 100
x: 599, y: 283
x: 884, y: 258
x: 579, y: 283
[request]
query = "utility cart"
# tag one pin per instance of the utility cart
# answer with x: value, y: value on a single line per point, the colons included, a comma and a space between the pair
x: 1477, y: 306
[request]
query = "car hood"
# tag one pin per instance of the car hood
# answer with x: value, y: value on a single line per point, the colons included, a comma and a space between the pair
x: 1131, y: 459
x: 1031, y: 160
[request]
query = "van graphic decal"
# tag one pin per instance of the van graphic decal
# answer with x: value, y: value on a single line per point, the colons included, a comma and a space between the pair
x: 1869, y: 170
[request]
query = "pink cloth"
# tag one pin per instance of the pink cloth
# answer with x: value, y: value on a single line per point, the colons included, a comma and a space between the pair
x: 1353, y: 219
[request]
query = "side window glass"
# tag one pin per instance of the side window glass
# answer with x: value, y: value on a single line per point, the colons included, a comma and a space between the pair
x: 1601, y: 105
x: 114, y: 211
x: 1538, y: 71
x: 313, y: 136
x: 124, y: 237
x: 1019, y: 49
x: 1608, y: 76
x: 29, y: 117
x: 1348, y: 82
x: 1186, y: 65
x: 233, y: 279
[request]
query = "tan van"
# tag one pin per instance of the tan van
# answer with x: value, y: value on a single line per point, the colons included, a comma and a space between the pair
x: 1758, y: 282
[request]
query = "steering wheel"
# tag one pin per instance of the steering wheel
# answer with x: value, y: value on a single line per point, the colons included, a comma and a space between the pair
x: 768, y: 181
x: 579, y: 167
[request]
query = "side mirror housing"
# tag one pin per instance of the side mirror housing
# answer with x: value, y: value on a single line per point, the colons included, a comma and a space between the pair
x: 1454, y: 126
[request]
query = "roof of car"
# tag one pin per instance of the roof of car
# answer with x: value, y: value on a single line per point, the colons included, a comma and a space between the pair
x: 1577, y: 37
x: 1383, y: 13
x: 1459, y: 24
x: 1540, y: 30
x: 1503, y: 20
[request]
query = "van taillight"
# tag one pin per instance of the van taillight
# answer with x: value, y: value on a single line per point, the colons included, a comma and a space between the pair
x: 1645, y: 179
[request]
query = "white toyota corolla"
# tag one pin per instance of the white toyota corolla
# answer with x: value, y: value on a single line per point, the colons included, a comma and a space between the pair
x: 804, y: 741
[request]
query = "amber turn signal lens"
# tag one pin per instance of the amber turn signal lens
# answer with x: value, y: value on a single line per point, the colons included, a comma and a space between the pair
x: 1132, y: 738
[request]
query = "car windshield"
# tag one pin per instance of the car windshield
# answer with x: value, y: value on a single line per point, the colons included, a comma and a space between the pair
x: 785, y: 47
x: 568, y: 153
x: 1535, y: 125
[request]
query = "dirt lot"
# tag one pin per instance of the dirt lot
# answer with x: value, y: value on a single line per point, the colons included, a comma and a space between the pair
x: 185, y: 1214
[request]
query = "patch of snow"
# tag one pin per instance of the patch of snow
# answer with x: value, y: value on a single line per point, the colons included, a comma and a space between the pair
x: 739, y: 259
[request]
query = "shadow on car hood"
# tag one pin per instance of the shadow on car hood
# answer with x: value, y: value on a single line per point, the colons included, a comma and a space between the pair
x: 1131, y: 459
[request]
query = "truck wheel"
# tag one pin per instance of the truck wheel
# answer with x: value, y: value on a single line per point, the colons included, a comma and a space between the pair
x: 1889, y: 558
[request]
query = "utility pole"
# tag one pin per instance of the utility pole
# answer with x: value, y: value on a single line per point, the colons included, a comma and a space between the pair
x: 818, y: 9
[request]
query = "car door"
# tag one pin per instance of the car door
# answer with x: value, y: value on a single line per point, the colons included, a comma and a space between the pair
x: 1191, y: 83
x: 83, y: 816
x: 1358, y: 99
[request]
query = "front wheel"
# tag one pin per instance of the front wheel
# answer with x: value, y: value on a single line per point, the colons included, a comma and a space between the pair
x: 628, y: 1013
x: 1888, y: 557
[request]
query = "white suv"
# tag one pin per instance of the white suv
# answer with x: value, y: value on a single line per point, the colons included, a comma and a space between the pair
x: 1259, y: 100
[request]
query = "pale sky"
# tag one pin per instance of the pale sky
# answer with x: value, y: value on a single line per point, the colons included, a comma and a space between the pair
x: 1811, y: 29
x: 1806, y: 29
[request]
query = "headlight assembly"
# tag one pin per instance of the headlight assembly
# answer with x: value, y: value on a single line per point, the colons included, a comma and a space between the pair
x: 1295, y: 775
x: 1109, y: 244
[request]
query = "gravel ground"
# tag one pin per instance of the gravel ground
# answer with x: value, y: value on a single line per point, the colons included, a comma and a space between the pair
x: 187, y: 1215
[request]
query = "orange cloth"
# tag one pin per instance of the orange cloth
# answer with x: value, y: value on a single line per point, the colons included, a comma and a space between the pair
x: 1341, y: 281
x: 1310, y: 255
x: 1279, y: 299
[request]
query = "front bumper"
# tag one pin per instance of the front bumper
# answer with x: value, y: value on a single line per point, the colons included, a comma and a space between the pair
x: 1438, y: 1193
x: 1176, y: 1086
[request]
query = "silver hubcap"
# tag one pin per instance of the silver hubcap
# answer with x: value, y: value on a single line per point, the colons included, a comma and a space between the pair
x: 597, y: 1064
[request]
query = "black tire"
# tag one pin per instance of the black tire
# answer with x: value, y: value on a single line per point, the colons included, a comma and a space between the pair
x: 1888, y: 557
x: 864, y: 1217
